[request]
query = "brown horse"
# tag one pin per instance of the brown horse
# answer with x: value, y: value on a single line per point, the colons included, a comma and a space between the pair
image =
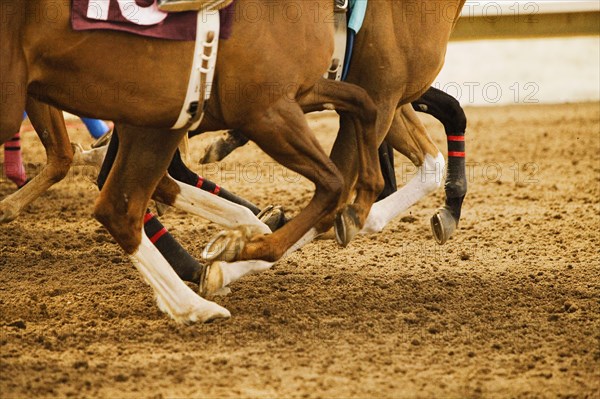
x: 46, y: 62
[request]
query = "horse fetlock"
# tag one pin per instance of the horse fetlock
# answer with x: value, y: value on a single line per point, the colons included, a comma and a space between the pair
x: 123, y: 231
x: 58, y: 167
x: 93, y: 157
x: 377, y: 185
x: 331, y: 188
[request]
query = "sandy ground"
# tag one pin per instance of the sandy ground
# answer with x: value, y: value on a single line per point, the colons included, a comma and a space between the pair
x: 509, y: 308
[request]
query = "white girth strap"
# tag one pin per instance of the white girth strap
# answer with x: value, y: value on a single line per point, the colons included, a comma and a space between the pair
x: 203, y: 69
x: 339, y: 52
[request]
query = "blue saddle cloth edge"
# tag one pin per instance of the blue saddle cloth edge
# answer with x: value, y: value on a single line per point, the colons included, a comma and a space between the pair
x: 356, y: 11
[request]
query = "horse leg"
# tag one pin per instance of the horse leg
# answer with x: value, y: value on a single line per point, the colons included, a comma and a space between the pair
x: 94, y: 157
x: 331, y: 96
x: 408, y: 136
x: 143, y: 157
x: 49, y: 124
x: 207, y: 205
x: 356, y: 103
x: 223, y: 146
x: 448, y: 111
x: 179, y: 171
x: 283, y: 133
x: 185, y: 265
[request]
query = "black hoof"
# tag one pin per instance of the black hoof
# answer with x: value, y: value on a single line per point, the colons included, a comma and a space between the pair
x: 273, y: 216
x: 346, y: 226
x: 443, y: 225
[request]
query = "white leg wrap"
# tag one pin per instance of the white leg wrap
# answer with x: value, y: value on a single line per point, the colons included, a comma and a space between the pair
x: 236, y: 270
x: 172, y: 295
x: 429, y: 178
x: 216, y: 209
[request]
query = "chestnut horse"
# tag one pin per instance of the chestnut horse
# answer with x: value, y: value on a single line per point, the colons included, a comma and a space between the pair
x: 45, y: 63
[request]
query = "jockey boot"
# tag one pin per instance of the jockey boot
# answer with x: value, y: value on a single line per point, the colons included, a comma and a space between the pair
x: 340, y: 5
x: 191, y: 5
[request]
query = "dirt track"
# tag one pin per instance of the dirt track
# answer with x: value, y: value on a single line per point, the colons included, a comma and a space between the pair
x: 509, y: 308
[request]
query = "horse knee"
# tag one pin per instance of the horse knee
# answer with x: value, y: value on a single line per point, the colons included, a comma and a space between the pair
x: 124, y: 228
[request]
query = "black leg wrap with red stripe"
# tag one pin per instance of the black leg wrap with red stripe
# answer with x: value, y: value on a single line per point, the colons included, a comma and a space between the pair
x: 179, y: 171
x: 186, y: 267
x: 456, y: 186
x: 456, y: 178
x: 448, y: 111
x: 443, y: 107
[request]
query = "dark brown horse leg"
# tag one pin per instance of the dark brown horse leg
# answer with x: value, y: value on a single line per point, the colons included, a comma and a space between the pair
x: 283, y: 133
x: 142, y: 159
x: 49, y: 124
x: 355, y: 102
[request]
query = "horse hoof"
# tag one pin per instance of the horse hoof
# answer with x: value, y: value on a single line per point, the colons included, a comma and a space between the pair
x: 225, y: 246
x: 273, y: 217
x: 217, y: 151
x: 346, y: 226
x: 443, y: 225
x: 103, y: 140
x: 161, y: 208
x: 212, y: 283
x: 213, y: 313
x: 7, y: 214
